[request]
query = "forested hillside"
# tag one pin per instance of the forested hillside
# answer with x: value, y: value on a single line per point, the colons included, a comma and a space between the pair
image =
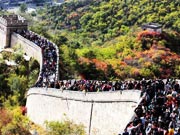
x: 103, y: 39
x: 97, y: 39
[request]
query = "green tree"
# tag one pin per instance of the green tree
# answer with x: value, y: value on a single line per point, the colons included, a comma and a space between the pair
x: 59, y: 39
x: 64, y: 128
x: 177, y: 70
x: 145, y: 72
x: 18, y: 85
x: 23, y: 8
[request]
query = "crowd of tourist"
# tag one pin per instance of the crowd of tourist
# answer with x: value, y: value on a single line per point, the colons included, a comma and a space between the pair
x: 49, y: 66
x: 159, y: 111
x: 95, y: 85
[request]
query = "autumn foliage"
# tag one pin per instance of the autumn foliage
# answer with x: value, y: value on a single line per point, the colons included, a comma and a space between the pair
x: 12, y: 122
x: 99, y: 64
x: 156, y: 58
x: 148, y: 34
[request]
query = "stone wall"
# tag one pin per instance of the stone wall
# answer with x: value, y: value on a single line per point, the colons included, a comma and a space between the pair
x: 3, y: 32
x: 8, y: 25
x: 103, y: 113
x: 31, y: 49
x: 2, y: 38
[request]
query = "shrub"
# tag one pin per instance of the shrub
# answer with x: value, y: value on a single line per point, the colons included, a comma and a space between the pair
x: 64, y: 128
x: 12, y: 122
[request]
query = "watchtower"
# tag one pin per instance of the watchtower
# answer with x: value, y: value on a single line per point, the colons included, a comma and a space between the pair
x: 8, y: 25
x: 155, y: 27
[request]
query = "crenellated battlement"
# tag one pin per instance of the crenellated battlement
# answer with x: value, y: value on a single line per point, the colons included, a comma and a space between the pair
x: 13, y: 20
x: 8, y: 25
x: 17, y: 22
x: 3, y: 21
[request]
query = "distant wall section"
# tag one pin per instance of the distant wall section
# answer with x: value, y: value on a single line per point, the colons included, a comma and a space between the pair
x: 8, y: 25
x: 103, y: 113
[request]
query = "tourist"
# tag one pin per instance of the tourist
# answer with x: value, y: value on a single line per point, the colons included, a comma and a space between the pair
x: 48, y: 73
x: 171, y: 130
x: 178, y: 133
x: 159, y: 110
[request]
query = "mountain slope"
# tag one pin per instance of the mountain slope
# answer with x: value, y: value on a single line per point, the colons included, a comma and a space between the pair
x: 100, y: 39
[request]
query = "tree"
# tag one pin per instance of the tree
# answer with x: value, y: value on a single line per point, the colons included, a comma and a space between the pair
x: 12, y: 122
x: 64, y: 128
x: 18, y: 84
x: 177, y: 70
x: 23, y: 8
x: 59, y: 39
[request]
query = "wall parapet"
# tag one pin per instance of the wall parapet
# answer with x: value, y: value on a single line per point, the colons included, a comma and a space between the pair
x: 95, y: 110
x: 13, y: 20
x: 29, y: 47
x: 33, y: 45
x: 33, y: 50
x: 112, y: 96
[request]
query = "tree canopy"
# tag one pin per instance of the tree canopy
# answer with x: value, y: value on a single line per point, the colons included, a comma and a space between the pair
x: 94, y: 33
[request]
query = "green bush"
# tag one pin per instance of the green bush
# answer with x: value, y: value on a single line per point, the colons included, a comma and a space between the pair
x: 64, y: 128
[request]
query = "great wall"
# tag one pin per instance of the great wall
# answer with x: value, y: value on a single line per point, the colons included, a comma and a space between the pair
x: 102, y: 113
